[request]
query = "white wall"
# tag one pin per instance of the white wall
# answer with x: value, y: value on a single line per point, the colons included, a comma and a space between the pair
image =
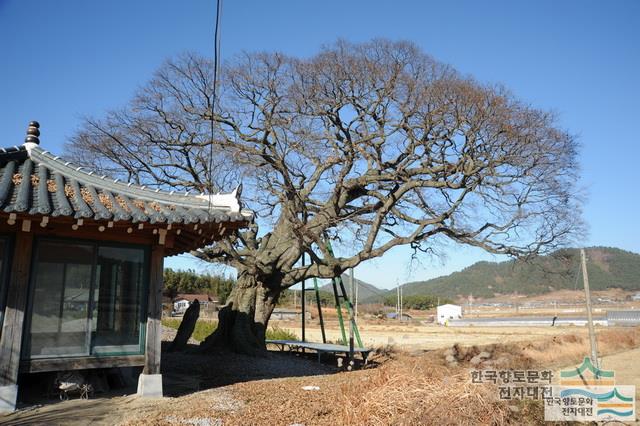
x: 445, y: 313
x: 180, y: 305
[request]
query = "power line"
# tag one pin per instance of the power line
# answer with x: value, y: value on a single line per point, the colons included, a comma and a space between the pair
x: 216, y: 65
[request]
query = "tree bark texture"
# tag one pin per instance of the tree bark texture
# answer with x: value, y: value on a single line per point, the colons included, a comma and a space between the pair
x: 242, y: 322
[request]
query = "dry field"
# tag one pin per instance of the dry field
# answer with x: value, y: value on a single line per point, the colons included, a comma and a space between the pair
x: 416, y: 336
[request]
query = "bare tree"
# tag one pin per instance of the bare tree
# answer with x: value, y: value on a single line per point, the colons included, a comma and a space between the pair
x: 377, y: 144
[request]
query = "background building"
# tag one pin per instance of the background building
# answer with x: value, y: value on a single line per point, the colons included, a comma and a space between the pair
x: 445, y: 313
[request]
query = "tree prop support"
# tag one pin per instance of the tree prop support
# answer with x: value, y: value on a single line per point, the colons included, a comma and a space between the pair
x: 340, y: 297
x: 347, y: 344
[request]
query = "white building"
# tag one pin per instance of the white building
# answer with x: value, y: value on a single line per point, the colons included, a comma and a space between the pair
x: 448, y: 312
x: 183, y: 301
x: 180, y: 305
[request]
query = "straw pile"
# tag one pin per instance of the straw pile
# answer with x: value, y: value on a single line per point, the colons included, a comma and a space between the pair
x: 418, y: 391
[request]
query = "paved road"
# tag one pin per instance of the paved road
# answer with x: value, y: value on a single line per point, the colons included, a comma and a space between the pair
x: 525, y: 321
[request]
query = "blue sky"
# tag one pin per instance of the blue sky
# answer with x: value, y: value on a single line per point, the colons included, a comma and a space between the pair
x: 62, y: 60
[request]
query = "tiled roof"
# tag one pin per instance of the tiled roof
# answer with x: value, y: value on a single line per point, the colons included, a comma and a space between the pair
x: 192, y: 297
x: 36, y: 182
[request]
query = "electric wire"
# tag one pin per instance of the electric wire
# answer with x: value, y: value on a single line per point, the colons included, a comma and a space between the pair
x: 216, y: 65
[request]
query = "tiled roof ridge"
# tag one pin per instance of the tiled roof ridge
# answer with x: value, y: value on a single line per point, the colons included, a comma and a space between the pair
x: 36, y: 181
x: 186, y: 199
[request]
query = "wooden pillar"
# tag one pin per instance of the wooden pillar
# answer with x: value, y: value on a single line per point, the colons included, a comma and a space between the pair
x: 12, y: 327
x: 150, y: 382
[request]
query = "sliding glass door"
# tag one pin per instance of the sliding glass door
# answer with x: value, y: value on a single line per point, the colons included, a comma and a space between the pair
x: 87, y: 299
x: 62, y: 287
x: 117, y: 307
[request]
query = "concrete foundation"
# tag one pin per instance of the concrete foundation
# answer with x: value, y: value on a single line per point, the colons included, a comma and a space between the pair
x: 150, y: 385
x: 8, y: 398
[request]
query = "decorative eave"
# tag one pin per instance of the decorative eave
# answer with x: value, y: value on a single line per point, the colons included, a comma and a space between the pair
x: 34, y: 182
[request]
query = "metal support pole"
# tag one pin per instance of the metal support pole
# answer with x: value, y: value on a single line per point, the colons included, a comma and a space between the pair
x: 317, y: 291
x: 337, y: 281
x: 349, y: 307
x: 303, y: 305
x: 592, y: 332
x: 356, y: 302
x: 352, y: 320
x: 339, y: 310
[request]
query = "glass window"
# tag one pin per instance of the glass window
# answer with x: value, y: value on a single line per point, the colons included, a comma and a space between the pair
x: 117, y: 307
x: 86, y: 299
x: 60, y: 306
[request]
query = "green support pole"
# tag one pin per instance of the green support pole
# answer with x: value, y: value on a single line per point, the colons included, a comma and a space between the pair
x: 339, y: 310
x: 335, y: 281
x: 317, y: 290
x: 349, y: 306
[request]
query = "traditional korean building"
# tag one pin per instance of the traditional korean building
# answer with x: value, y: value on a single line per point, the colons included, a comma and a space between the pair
x: 81, y: 265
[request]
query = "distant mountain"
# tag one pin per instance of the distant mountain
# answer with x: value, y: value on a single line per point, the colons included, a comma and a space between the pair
x: 365, y: 290
x: 607, y: 268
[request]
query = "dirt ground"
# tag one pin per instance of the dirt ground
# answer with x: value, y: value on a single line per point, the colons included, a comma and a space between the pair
x: 183, y: 374
x: 627, y: 367
x: 399, y: 387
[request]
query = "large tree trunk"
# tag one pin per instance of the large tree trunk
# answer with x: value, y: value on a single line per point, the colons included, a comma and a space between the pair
x: 242, y: 322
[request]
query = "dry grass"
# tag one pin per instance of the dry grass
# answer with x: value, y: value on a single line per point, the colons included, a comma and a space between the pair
x: 563, y: 350
x: 417, y: 391
x: 409, y: 389
x: 424, y: 390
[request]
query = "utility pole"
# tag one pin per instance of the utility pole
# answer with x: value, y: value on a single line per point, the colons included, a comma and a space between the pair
x: 400, y: 317
x: 592, y: 331
x: 397, y: 299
